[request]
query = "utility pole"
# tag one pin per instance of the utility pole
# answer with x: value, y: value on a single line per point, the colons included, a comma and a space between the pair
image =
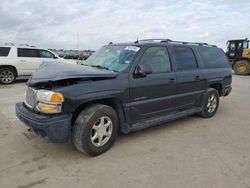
x: 77, y: 41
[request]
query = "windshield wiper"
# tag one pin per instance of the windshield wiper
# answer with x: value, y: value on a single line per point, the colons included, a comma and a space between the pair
x: 84, y: 64
x: 102, y: 67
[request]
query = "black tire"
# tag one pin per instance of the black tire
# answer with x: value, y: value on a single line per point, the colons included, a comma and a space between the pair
x: 83, y: 128
x: 11, y: 72
x: 242, y: 67
x: 207, y: 110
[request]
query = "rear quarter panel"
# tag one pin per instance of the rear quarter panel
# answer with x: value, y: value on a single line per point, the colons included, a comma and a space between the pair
x: 214, y: 75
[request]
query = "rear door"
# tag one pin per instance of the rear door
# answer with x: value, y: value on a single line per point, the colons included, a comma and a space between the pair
x: 28, y: 59
x: 153, y: 94
x: 189, y: 83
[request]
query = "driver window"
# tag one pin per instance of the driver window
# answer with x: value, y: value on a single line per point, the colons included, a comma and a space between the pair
x: 158, y: 59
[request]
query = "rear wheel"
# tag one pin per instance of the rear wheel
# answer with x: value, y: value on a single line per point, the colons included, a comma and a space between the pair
x: 7, y: 75
x: 242, y: 67
x: 211, y: 103
x: 95, y: 129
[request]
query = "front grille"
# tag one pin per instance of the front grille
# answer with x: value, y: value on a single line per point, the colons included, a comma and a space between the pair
x: 30, y: 98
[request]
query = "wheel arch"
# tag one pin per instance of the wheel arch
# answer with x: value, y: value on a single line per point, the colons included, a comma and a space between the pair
x: 115, y: 103
x: 10, y: 66
x: 218, y: 87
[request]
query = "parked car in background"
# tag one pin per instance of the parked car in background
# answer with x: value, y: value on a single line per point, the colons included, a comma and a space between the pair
x: 124, y: 87
x: 76, y: 56
x: 23, y: 60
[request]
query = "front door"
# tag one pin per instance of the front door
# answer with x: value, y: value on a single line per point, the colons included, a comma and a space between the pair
x: 153, y: 94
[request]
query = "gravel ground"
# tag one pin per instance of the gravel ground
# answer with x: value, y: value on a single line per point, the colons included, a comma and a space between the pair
x: 191, y: 152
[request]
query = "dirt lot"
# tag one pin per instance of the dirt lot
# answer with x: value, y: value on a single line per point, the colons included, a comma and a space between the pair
x: 191, y: 152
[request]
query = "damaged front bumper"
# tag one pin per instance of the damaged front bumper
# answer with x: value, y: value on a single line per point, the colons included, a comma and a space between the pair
x: 57, y: 128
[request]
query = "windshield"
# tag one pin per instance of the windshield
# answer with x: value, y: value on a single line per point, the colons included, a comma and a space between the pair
x: 115, y: 58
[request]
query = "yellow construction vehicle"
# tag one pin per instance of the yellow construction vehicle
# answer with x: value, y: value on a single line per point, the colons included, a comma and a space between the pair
x: 238, y: 53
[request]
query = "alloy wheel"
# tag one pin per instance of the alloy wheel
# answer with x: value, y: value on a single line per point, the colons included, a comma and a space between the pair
x: 7, y: 76
x: 212, y: 103
x: 101, y: 131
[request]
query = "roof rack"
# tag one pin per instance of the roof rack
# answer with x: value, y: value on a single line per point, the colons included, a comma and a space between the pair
x: 154, y: 40
x: 179, y: 42
x: 24, y: 45
x: 194, y: 43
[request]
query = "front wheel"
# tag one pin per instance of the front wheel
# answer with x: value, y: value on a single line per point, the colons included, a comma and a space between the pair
x: 95, y: 129
x: 211, y: 103
x: 7, y: 75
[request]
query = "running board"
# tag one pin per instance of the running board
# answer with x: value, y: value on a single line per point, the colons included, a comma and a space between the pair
x: 163, y: 119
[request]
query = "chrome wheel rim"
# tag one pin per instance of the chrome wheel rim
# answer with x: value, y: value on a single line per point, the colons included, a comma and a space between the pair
x: 101, y: 131
x: 212, y: 103
x: 7, y: 76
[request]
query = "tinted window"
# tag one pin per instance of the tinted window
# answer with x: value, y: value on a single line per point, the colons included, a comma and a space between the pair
x: 4, y: 51
x: 24, y: 52
x: 158, y: 59
x: 45, y: 54
x: 184, y: 58
x: 213, y: 57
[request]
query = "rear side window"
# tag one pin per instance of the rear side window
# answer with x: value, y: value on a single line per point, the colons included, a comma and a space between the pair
x: 4, y: 51
x: 184, y: 58
x: 213, y: 57
x: 24, y: 52
x: 45, y: 54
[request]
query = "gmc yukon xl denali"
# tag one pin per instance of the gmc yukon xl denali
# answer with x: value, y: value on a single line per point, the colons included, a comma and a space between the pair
x: 122, y: 88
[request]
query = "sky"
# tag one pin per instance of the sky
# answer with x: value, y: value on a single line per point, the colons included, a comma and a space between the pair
x: 55, y: 24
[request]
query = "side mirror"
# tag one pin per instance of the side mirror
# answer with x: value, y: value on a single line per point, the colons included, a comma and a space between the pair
x: 56, y: 57
x: 143, y: 70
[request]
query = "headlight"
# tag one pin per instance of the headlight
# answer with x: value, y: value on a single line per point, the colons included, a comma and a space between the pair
x: 49, y: 101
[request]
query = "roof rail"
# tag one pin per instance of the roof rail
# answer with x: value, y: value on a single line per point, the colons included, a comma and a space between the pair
x: 24, y: 45
x: 179, y: 42
x: 154, y: 40
x: 9, y: 44
x: 195, y: 43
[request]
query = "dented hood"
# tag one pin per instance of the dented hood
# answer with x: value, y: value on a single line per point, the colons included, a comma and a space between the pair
x: 52, y: 71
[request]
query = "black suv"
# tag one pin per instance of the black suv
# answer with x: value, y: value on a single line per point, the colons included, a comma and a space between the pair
x: 124, y: 87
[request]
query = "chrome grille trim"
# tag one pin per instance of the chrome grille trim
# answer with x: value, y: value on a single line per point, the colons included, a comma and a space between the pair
x: 30, y: 98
